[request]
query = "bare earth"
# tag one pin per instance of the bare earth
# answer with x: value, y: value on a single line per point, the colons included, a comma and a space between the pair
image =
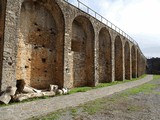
x: 141, y: 106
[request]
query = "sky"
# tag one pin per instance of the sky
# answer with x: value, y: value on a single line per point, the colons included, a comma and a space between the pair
x: 138, y: 18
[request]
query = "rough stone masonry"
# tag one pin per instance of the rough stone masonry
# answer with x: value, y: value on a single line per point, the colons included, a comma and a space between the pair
x: 52, y: 42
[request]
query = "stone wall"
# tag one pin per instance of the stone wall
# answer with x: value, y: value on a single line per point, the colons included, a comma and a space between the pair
x: 40, y: 44
x: 52, y: 42
x: 2, y: 22
x: 9, y: 43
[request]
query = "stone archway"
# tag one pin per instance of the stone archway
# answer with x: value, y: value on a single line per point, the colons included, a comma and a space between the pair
x: 82, y: 47
x: 40, y: 44
x: 134, y: 61
x: 105, y: 63
x: 127, y: 61
x: 118, y: 59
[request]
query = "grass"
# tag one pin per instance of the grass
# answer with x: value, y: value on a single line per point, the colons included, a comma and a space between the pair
x: 93, y: 107
x: 74, y: 111
x: 134, y: 108
x: 80, y: 89
x: 50, y: 116
x: 55, y: 116
x: 155, y: 77
x: 145, y: 88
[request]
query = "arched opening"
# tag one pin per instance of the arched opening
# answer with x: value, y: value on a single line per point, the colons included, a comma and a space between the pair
x: 118, y: 59
x: 127, y: 61
x: 40, y: 44
x: 83, y: 52
x: 134, y: 61
x: 105, y: 66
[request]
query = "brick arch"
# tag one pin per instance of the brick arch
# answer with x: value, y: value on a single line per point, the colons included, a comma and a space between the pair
x: 134, y: 62
x: 127, y: 60
x: 105, y: 66
x: 82, y: 47
x: 118, y: 59
x: 40, y: 44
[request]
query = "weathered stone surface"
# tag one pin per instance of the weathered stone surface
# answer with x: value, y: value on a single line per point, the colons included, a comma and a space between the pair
x: 39, y: 58
x: 105, y: 53
x: 82, y: 47
x: 2, y: 22
x: 6, y: 96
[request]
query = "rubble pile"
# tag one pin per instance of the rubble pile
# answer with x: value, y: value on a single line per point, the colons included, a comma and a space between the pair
x: 22, y: 92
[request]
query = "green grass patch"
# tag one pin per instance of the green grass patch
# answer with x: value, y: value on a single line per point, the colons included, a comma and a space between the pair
x: 100, y: 85
x: 74, y: 111
x: 155, y: 77
x: 51, y: 116
x: 79, y: 89
x: 133, y: 108
x: 146, y: 88
x: 93, y: 107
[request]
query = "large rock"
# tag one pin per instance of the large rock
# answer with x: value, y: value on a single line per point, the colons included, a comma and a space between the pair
x: 7, y: 95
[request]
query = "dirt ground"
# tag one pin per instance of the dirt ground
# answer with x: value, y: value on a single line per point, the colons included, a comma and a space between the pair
x: 133, y: 104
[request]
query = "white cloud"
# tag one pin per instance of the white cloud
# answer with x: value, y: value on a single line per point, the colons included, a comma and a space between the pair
x: 139, y: 18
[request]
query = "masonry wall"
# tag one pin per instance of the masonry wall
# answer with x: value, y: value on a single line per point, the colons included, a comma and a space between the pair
x: 40, y: 44
x: 52, y: 42
x: 9, y: 44
x: 2, y: 22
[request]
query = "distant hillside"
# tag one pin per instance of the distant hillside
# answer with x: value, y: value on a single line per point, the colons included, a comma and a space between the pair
x: 153, y: 66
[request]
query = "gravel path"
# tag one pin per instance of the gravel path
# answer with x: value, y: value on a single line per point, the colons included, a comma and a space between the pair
x: 42, y: 107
